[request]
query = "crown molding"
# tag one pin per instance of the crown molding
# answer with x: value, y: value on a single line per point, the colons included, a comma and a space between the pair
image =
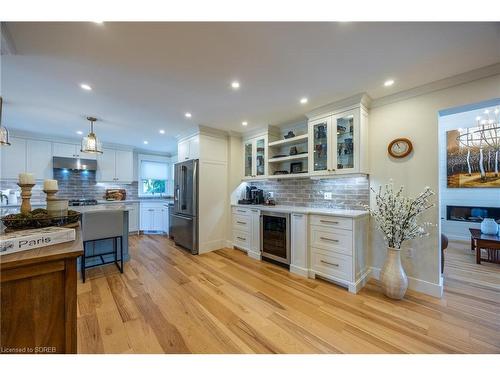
x: 359, y: 99
x: 202, y: 130
x: 459, y: 79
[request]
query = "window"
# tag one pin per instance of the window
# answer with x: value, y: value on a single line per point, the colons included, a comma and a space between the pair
x: 153, y: 175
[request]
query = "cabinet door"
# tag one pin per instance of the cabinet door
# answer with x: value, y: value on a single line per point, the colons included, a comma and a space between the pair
x: 13, y: 158
x: 146, y: 218
x: 39, y: 159
x: 183, y: 150
x: 158, y: 219
x: 255, y: 231
x: 106, y: 165
x: 299, y: 241
x: 194, y: 148
x: 347, y: 147
x: 133, y: 218
x: 124, y: 167
x: 260, y: 156
x: 249, y: 164
x: 165, y: 219
x: 65, y: 150
x: 320, y: 159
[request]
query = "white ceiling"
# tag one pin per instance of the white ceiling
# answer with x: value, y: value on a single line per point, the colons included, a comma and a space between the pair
x: 145, y: 76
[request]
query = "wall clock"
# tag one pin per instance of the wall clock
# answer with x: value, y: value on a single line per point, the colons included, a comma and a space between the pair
x: 400, y: 148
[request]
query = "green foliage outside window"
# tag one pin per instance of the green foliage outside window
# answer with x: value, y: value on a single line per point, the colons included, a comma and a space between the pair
x: 154, y: 186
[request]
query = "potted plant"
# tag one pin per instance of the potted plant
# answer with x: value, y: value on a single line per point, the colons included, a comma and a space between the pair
x: 396, y: 217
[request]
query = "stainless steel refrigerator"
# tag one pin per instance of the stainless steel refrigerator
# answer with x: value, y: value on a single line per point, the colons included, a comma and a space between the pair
x: 184, y: 213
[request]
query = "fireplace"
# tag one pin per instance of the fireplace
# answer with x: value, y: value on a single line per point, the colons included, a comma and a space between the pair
x: 473, y: 214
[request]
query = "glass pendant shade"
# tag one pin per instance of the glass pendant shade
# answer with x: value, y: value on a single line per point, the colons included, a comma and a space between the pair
x: 90, y: 143
x: 4, y: 133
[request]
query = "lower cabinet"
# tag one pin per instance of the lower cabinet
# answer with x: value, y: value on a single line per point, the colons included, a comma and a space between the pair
x: 153, y: 217
x: 133, y: 217
x: 338, y: 250
x: 246, y: 230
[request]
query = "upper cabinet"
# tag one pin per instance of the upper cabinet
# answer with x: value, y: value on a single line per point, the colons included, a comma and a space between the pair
x: 27, y: 155
x: 115, y: 166
x: 70, y: 150
x: 255, y: 156
x: 14, y: 158
x: 188, y: 149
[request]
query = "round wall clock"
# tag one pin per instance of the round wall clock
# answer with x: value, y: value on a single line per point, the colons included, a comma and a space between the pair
x: 400, y: 148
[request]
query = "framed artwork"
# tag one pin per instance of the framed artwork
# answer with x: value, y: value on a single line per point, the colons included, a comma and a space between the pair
x: 473, y: 158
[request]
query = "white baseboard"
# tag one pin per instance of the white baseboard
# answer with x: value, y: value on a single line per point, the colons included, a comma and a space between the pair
x: 254, y: 255
x: 208, y: 246
x: 299, y: 270
x: 358, y: 285
x: 418, y: 285
x: 229, y: 244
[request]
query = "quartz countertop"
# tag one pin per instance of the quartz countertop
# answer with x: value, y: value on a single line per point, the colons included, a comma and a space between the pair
x: 43, y: 203
x: 307, y: 210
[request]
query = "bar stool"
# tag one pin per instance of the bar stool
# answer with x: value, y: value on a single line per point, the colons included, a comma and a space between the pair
x: 102, y: 225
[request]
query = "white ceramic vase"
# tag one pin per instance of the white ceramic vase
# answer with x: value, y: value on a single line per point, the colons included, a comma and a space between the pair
x: 489, y: 226
x: 393, y: 276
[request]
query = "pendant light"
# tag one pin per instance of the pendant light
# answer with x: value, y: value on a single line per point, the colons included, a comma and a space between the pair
x: 4, y: 132
x: 90, y: 143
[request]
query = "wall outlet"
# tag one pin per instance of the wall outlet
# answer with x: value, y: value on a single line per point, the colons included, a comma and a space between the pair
x: 328, y: 195
x: 270, y: 194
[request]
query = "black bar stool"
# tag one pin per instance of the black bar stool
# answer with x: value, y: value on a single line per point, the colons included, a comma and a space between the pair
x: 103, y: 225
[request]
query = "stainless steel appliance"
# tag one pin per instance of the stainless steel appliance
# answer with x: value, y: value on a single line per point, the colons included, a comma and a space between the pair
x: 184, y: 213
x: 275, y: 236
x: 74, y: 163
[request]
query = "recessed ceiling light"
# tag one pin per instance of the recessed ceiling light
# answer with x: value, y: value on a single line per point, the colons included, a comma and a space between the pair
x: 85, y: 86
x: 235, y: 85
x: 146, y: 142
x: 244, y: 123
x: 389, y: 82
x: 162, y: 131
x: 303, y: 101
x: 79, y: 132
x: 187, y: 114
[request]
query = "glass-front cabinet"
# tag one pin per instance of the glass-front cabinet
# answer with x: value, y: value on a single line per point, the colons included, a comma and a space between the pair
x: 335, y: 143
x: 255, y: 154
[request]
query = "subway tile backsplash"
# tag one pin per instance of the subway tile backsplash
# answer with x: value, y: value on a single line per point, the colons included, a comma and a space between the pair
x: 75, y: 184
x: 347, y: 193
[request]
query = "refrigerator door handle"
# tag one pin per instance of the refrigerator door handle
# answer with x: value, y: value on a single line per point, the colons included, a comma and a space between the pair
x: 183, y: 217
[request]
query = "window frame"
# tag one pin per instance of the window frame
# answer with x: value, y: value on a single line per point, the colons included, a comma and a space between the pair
x: 158, y: 159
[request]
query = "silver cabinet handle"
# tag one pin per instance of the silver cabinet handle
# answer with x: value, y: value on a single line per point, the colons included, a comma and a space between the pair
x: 330, y: 264
x: 329, y: 221
x: 255, y: 210
x: 328, y: 239
x: 298, y: 215
x: 241, y: 211
x: 241, y: 222
x: 183, y: 217
x: 241, y: 238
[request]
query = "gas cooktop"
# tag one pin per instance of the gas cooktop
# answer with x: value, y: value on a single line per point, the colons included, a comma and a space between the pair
x: 82, y: 202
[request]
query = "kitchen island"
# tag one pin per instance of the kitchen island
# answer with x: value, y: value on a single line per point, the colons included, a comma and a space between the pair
x: 38, y: 299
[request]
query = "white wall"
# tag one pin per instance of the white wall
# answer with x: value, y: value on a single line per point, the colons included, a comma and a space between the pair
x: 417, y: 119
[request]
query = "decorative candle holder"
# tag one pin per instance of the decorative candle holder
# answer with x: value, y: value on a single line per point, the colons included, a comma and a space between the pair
x: 26, y: 197
x: 51, y: 194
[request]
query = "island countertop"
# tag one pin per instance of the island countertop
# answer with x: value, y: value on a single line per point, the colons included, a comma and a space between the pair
x: 306, y: 210
x: 39, y: 255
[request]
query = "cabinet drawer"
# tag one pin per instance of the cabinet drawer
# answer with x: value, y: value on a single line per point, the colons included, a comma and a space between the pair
x: 241, y: 239
x: 241, y: 211
x: 337, y: 240
x: 242, y: 223
x: 335, y: 265
x: 332, y: 221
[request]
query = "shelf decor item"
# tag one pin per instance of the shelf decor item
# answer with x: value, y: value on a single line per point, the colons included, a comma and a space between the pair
x: 39, y: 218
x: 26, y: 183
x: 489, y: 226
x: 396, y: 217
x: 290, y: 134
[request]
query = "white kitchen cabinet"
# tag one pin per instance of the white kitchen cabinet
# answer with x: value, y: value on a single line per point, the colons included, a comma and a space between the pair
x: 255, y: 156
x: 166, y: 219
x: 338, y: 142
x: 153, y: 217
x: 13, y: 158
x: 246, y: 230
x: 39, y: 159
x: 188, y: 149
x: 133, y: 217
x: 298, y: 242
x: 115, y: 166
x: 70, y: 150
x: 338, y: 250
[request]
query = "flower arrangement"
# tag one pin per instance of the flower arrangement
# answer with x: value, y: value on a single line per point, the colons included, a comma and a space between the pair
x: 396, y: 214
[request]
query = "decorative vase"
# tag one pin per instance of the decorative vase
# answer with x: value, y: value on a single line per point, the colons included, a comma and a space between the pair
x: 489, y: 226
x: 393, y: 276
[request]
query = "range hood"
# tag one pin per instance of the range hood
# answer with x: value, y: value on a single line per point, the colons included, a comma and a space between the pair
x: 74, y: 163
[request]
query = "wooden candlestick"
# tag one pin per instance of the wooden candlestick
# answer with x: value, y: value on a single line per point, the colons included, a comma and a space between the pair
x: 51, y: 194
x: 26, y: 196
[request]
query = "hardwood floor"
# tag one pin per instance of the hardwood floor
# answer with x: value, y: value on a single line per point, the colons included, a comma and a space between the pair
x: 169, y: 301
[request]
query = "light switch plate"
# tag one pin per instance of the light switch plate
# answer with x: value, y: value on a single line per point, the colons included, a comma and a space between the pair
x: 328, y: 195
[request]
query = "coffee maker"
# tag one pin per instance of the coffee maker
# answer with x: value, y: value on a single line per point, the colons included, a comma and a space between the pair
x: 253, y: 195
